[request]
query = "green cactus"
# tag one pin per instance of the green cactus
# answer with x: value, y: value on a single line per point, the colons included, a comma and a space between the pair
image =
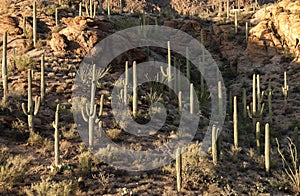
x: 235, y: 122
x: 134, y: 86
x: 56, y: 17
x: 220, y: 100
x: 56, y: 137
x: 108, y: 8
x: 214, y: 150
x: 43, y: 89
x: 4, y: 68
x: 168, y: 73
x: 267, y: 147
x: 235, y: 22
x: 179, y: 169
x: 285, y: 89
x: 191, y: 98
x: 247, y: 32
x: 34, y: 25
x: 257, y: 136
x: 257, y: 101
x: 32, y: 109
x: 121, y: 7
x: 80, y: 9
x: 89, y: 111
x: 227, y: 9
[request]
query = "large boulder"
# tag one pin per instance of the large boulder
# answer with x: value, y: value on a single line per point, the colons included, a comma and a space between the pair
x: 80, y: 35
x: 277, y: 32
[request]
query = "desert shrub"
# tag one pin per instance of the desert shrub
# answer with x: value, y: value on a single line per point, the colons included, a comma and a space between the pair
x: 22, y: 62
x: 48, y: 188
x: 12, y: 171
x: 291, y: 165
x: 85, y: 163
x: 35, y: 139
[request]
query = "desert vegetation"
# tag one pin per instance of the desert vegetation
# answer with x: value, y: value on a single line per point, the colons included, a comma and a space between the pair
x: 255, y: 46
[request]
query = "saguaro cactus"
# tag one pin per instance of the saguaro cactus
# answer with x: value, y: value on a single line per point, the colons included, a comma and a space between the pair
x: 134, y: 86
x: 43, y: 89
x: 56, y: 137
x: 34, y: 25
x: 89, y: 114
x: 4, y: 68
x: 235, y: 123
x: 214, y: 149
x: 168, y: 73
x: 257, y: 102
x: 32, y: 109
x: 285, y: 89
x: 191, y: 98
x: 121, y: 7
x: 179, y: 169
x: 267, y: 147
x: 258, y: 137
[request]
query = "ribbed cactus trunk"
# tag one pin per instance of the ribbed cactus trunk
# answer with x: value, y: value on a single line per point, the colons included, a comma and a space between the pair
x: 43, y: 90
x: 56, y: 137
x: 4, y: 68
x: 34, y: 27
x: 179, y: 169
x: 191, y: 98
x: 235, y: 122
x: 267, y: 147
x: 214, y: 150
x: 134, y: 86
x: 258, y: 137
x: 32, y: 109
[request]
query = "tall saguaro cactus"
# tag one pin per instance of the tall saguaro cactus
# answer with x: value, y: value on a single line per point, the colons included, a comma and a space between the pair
x: 235, y: 122
x: 257, y: 101
x: 168, y: 73
x: 4, y: 67
x: 43, y: 90
x: 214, y: 150
x: 56, y: 137
x: 32, y: 106
x: 285, y: 89
x: 89, y: 111
x: 134, y: 86
x: 179, y: 169
x: 267, y: 147
x: 34, y: 25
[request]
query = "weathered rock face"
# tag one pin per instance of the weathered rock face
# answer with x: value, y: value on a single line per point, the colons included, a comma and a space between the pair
x: 80, y: 35
x: 277, y: 31
x: 9, y: 24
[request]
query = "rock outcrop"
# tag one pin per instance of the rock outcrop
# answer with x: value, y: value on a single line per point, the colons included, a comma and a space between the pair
x: 277, y: 32
x: 80, y: 35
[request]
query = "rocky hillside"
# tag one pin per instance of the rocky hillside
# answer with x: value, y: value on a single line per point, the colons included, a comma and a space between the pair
x: 265, y: 41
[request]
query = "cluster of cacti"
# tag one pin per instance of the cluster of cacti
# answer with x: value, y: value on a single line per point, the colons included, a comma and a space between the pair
x: 33, y: 106
x: 89, y: 111
x: 4, y: 68
x: 257, y: 104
